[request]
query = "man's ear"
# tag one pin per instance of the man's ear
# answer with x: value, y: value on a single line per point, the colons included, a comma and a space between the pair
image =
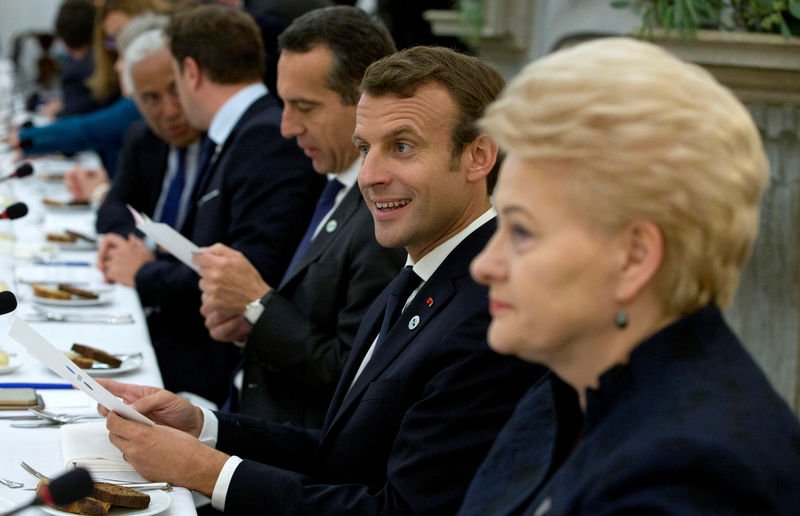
x: 192, y: 72
x: 481, y: 155
x: 641, y: 254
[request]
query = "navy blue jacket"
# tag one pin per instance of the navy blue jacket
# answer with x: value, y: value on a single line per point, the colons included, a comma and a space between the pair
x: 689, y: 426
x: 410, y: 433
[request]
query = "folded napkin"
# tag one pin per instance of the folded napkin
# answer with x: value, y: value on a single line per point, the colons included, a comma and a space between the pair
x: 86, y: 445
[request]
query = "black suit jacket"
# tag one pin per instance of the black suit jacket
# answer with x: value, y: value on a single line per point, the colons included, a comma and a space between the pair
x: 297, y: 348
x: 689, y: 426
x: 257, y: 196
x: 410, y: 434
x: 138, y: 181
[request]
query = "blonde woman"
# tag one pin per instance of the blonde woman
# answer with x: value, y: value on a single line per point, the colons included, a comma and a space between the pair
x: 627, y: 206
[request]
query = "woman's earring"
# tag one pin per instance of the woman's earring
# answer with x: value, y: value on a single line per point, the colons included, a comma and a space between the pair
x: 621, y: 320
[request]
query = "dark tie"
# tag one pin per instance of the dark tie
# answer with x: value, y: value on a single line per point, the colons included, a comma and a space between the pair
x: 324, y: 205
x: 172, y: 203
x: 399, y: 289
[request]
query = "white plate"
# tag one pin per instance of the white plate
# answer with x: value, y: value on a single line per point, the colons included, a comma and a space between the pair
x: 74, y: 302
x: 13, y: 365
x: 78, y: 245
x: 5, y: 504
x: 159, y: 502
x: 64, y: 205
x: 131, y: 364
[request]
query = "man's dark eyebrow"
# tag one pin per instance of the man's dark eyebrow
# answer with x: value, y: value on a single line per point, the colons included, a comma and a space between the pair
x: 403, y: 130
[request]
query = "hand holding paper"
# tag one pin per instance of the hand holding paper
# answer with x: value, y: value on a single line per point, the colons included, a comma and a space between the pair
x: 162, y: 234
x: 44, y: 352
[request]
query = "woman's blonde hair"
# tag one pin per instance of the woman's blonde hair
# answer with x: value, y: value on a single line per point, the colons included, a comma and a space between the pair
x: 645, y: 136
x: 104, y: 82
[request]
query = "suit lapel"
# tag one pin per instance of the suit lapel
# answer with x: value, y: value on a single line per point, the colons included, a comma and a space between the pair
x: 343, y: 213
x: 439, y: 288
x: 204, y: 180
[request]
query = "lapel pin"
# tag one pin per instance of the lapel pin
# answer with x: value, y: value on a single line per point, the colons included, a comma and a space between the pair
x: 330, y: 227
x: 429, y: 302
x: 413, y: 323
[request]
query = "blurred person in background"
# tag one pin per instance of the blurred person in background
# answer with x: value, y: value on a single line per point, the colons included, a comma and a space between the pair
x: 159, y: 157
x: 74, y: 25
x: 627, y: 206
x: 103, y: 130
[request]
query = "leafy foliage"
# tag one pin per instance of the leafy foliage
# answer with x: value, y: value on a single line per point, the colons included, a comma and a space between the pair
x: 687, y: 16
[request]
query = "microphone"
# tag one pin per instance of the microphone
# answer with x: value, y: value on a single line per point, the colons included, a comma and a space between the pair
x: 69, y: 487
x: 15, y: 211
x: 23, y: 170
x: 8, y: 302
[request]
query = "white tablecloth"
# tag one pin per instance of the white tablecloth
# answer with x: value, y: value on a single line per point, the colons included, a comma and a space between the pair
x: 40, y: 447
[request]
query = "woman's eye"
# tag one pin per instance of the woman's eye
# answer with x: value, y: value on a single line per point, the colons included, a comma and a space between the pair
x: 519, y: 233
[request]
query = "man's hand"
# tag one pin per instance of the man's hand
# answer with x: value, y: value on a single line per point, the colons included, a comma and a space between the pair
x: 159, y: 405
x: 227, y: 329
x: 164, y: 454
x: 81, y: 182
x: 228, y: 280
x: 121, y: 259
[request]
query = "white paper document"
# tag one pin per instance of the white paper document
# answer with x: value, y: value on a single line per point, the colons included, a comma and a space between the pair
x: 38, y: 347
x: 162, y: 234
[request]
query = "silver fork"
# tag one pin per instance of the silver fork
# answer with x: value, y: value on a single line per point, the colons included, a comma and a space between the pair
x: 32, y: 471
x: 142, y: 486
x: 64, y: 418
x: 10, y: 483
x: 83, y: 318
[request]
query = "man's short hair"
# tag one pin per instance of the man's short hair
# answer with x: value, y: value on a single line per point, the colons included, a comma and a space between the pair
x: 225, y: 43
x: 471, y: 83
x: 74, y: 23
x: 143, y: 46
x: 355, y: 39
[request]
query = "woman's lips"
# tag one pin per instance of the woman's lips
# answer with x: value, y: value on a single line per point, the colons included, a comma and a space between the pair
x: 497, y: 306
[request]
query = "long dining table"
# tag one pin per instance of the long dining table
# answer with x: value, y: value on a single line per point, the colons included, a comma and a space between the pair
x: 117, y: 323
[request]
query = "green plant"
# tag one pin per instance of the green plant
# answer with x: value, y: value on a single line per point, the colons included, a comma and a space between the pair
x: 686, y: 16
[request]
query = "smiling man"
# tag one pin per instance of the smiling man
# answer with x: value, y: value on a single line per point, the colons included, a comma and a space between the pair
x: 422, y: 396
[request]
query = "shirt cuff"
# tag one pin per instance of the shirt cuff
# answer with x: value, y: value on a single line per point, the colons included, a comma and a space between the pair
x: 210, y: 431
x: 223, y: 482
x: 99, y: 194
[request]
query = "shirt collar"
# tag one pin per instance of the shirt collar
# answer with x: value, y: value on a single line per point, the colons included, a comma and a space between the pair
x: 349, y: 176
x: 428, y: 264
x: 228, y: 115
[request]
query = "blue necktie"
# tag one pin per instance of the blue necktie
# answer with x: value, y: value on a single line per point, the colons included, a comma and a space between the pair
x: 172, y: 203
x: 324, y: 205
x: 399, y: 289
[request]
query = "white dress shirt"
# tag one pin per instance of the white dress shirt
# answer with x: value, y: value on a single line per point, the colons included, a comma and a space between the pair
x: 227, y: 116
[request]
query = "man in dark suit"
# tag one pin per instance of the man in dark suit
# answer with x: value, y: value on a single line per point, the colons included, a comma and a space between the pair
x: 299, y: 335
x: 254, y: 192
x: 153, y: 150
x: 421, y: 397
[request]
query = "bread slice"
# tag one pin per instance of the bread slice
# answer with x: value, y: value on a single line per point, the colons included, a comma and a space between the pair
x: 83, y: 362
x: 86, y: 294
x: 49, y: 292
x: 61, y: 237
x: 88, y: 505
x: 120, y: 496
x: 97, y: 354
